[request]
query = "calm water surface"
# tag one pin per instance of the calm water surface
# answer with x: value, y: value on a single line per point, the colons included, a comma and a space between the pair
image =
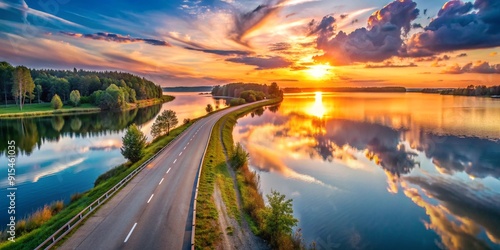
x: 62, y: 155
x: 383, y: 171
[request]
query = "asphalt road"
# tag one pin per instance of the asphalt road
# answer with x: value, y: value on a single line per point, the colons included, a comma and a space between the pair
x: 154, y: 210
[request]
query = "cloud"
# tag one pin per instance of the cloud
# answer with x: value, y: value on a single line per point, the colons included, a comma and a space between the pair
x: 390, y: 65
x: 381, y: 39
x: 459, y: 25
x: 462, y: 55
x: 434, y: 58
x: 244, y: 23
x: 280, y: 46
x: 262, y: 62
x: 492, y: 54
x: 110, y: 37
x: 480, y: 67
x: 25, y: 10
x: 222, y: 52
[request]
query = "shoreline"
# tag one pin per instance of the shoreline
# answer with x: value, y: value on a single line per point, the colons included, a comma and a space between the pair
x: 89, y: 110
x: 218, y: 184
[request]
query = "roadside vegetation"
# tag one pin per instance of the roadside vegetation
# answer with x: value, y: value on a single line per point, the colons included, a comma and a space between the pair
x: 273, y: 222
x: 31, y: 239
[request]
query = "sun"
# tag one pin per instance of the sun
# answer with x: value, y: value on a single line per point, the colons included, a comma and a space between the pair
x: 319, y: 71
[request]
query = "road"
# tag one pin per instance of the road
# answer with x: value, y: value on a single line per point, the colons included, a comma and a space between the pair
x: 154, y: 210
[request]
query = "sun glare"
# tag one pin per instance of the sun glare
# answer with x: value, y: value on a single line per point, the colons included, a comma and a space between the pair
x: 318, y: 109
x: 319, y: 71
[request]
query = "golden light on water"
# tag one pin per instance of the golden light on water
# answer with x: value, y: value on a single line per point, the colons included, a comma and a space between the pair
x: 317, y: 109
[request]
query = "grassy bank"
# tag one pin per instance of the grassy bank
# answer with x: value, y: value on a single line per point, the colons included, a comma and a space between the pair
x: 215, y: 171
x: 45, y: 109
x: 102, y: 185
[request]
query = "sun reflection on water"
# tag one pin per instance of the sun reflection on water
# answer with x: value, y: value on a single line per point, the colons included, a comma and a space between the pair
x: 318, y: 108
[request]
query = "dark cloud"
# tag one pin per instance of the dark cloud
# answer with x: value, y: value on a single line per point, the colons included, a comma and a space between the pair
x: 280, y: 46
x: 390, y: 65
x: 433, y: 58
x: 110, y: 37
x: 459, y: 25
x: 222, y: 52
x: 462, y: 55
x: 480, y: 67
x: 262, y: 62
x: 381, y: 39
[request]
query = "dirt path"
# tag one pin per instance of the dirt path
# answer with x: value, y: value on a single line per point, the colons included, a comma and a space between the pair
x: 236, y: 235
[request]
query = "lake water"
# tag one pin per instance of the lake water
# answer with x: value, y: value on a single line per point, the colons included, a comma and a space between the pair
x: 383, y: 171
x: 62, y: 155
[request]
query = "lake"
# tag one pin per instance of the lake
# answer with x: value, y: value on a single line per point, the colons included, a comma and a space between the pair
x: 381, y: 170
x: 62, y: 155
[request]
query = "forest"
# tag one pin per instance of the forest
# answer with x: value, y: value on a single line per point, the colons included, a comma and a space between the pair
x: 471, y: 90
x: 249, y: 91
x: 106, y: 89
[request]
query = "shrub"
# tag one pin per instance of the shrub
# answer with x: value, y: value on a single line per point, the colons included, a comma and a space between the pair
x: 56, y: 102
x: 76, y: 196
x: 236, y: 102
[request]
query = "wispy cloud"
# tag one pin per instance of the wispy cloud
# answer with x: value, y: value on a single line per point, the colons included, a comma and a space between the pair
x: 110, y: 37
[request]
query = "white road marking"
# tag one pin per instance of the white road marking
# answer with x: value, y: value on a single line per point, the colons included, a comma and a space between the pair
x: 130, y: 233
x: 168, y: 170
x: 175, y: 160
x: 161, y: 181
x: 188, y: 143
x: 184, y: 148
x: 180, y: 154
x: 151, y: 197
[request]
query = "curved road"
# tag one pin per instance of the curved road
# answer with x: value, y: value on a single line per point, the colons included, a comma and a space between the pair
x: 154, y: 210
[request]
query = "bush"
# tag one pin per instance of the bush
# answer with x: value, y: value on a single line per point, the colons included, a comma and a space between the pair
x: 209, y: 108
x: 56, y: 102
x: 76, y: 196
x: 86, y: 99
x: 187, y: 120
x: 236, y: 102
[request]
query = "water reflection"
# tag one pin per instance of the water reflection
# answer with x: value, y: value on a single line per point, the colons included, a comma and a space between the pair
x: 453, y: 177
x: 31, y: 133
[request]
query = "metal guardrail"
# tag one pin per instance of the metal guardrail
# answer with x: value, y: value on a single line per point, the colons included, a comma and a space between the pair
x: 64, y: 230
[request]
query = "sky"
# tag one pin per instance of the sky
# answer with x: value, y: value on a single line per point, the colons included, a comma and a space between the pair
x: 296, y: 43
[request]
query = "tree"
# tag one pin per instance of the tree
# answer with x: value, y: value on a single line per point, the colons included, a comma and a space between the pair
x: 134, y: 143
x: 209, y: 108
x: 23, y: 85
x: 38, y: 90
x: 56, y: 102
x: 74, y: 97
x: 278, y: 216
x: 6, y: 71
x: 165, y: 121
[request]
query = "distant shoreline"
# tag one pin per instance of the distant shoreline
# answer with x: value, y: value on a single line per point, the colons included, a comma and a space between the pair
x: 44, y: 109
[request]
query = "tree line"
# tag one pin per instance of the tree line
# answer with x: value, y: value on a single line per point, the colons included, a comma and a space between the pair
x: 247, y: 92
x: 107, y: 89
x: 471, y: 90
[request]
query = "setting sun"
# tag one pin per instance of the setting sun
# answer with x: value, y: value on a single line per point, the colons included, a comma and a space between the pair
x: 319, y: 71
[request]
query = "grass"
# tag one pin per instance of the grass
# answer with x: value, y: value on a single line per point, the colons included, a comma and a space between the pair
x: 215, y: 171
x: 32, y: 239
x: 44, y: 109
x: 37, y: 109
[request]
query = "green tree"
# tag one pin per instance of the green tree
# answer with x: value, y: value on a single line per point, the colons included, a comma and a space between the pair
x: 38, y: 90
x: 278, y: 217
x: 165, y: 121
x: 6, y: 71
x: 23, y: 85
x: 134, y: 143
x: 56, y: 102
x: 74, y: 97
x: 209, y: 108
